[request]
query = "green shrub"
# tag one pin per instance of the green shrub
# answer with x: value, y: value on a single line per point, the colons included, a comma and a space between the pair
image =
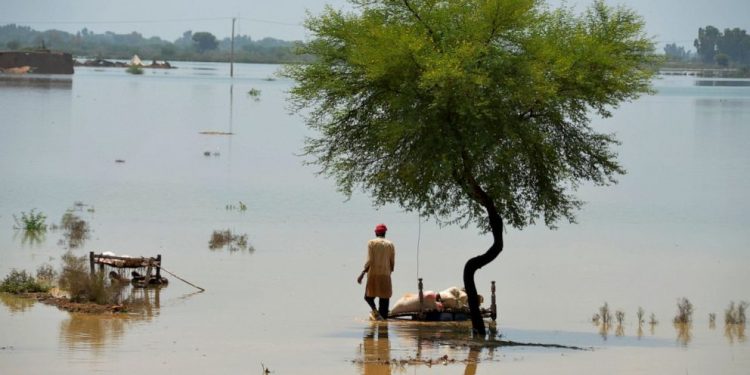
x: 134, y: 69
x: 684, y: 311
x: 82, y: 286
x: 46, y: 274
x: 21, y: 282
x: 33, y: 222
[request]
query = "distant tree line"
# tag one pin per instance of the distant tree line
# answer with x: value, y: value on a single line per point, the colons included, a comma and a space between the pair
x: 732, y: 47
x: 198, y: 46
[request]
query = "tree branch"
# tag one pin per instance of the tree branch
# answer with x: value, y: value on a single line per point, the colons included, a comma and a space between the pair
x: 433, y: 36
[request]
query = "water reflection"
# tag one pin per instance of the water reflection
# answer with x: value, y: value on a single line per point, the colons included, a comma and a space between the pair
x: 684, y: 333
x: 722, y: 82
x: 376, y: 350
x: 95, y: 333
x: 735, y: 333
x: 30, y: 238
x: 16, y: 304
x: 92, y: 332
x: 44, y: 82
x: 420, y: 344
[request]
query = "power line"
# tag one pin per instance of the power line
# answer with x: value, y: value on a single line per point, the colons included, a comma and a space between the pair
x: 163, y: 20
x: 120, y: 21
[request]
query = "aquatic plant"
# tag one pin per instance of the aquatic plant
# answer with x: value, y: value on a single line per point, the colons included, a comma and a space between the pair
x: 240, y: 206
x: 620, y: 316
x: 652, y: 320
x: 21, y: 282
x: 76, y: 230
x: 605, y: 314
x: 134, y: 69
x: 684, y: 311
x: 254, y: 93
x: 595, y: 319
x: 33, y: 222
x: 220, y: 239
x: 639, y: 315
x: 736, y: 313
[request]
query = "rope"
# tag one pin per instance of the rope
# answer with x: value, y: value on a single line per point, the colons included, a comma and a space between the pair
x: 183, y: 280
x: 419, y: 238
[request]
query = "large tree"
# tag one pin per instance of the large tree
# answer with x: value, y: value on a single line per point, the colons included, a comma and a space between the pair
x: 204, y: 41
x: 469, y: 111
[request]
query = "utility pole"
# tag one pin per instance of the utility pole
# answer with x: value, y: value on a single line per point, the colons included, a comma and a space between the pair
x: 231, y: 56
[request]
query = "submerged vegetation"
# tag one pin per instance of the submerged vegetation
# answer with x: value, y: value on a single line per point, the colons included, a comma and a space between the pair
x: 254, y: 93
x: 226, y: 239
x: 32, y: 222
x: 82, y: 286
x: 684, y: 311
x: 736, y: 313
x: 75, y: 229
x: 134, y: 69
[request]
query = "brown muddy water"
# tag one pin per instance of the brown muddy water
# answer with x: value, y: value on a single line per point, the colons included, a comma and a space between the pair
x: 675, y: 226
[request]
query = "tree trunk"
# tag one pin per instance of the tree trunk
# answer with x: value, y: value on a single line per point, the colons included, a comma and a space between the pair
x: 475, y: 263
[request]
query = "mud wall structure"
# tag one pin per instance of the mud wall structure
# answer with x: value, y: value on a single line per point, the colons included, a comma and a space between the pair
x: 40, y: 62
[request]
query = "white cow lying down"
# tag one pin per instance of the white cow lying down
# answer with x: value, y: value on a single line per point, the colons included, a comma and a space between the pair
x: 451, y: 298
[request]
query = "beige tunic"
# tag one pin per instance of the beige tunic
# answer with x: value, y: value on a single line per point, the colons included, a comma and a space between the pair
x: 381, y: 258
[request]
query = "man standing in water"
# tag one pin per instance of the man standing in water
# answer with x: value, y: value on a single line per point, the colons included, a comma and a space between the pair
x: 381, y: 258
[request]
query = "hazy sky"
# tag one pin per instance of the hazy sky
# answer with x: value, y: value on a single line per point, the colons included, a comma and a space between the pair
x: 667, y: 20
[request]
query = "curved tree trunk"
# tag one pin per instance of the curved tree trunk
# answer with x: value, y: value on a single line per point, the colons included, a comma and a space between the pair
x: 475, y: 263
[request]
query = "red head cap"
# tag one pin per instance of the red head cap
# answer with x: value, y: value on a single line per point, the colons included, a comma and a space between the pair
x: 380, y: 229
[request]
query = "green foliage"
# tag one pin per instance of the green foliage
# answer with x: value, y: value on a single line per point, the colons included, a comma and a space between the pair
x: 254, y: 93
x: 713, y: 46
x: 21, y: 282
x: 33, y: 222
x: 446, y: 108
x: 82, y: 286
x: 134, y: 69
x: 109, y: 45
x: 722, y: 60
x: 204, y: 41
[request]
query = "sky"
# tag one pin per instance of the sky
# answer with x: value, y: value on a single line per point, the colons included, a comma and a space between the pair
x: 667, y: 21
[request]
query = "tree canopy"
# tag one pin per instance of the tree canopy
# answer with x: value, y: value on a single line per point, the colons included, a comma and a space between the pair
x: 410, y: 96
x: 731, y: 45
x: 205, y: 41
x: 124, y: 46
x: 470, y: 111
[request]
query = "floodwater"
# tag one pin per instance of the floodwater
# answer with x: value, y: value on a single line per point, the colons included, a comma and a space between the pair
x: 675, y: 226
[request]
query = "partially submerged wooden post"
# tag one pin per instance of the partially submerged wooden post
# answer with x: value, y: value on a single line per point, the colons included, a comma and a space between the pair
x: 158, y: 266
x: 493, y: 305
x: 421, y: 298
x: 91, y: 261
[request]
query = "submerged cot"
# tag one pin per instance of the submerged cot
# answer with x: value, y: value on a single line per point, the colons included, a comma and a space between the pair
x: 151, y: 268
x: 448, y: 305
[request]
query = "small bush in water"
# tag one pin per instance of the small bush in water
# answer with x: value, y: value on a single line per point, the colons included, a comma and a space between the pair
x: 82, y: 286
x: 21, y: 282
x: 684, y: 311
x: 32, y: 222
x: 134, y: 69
